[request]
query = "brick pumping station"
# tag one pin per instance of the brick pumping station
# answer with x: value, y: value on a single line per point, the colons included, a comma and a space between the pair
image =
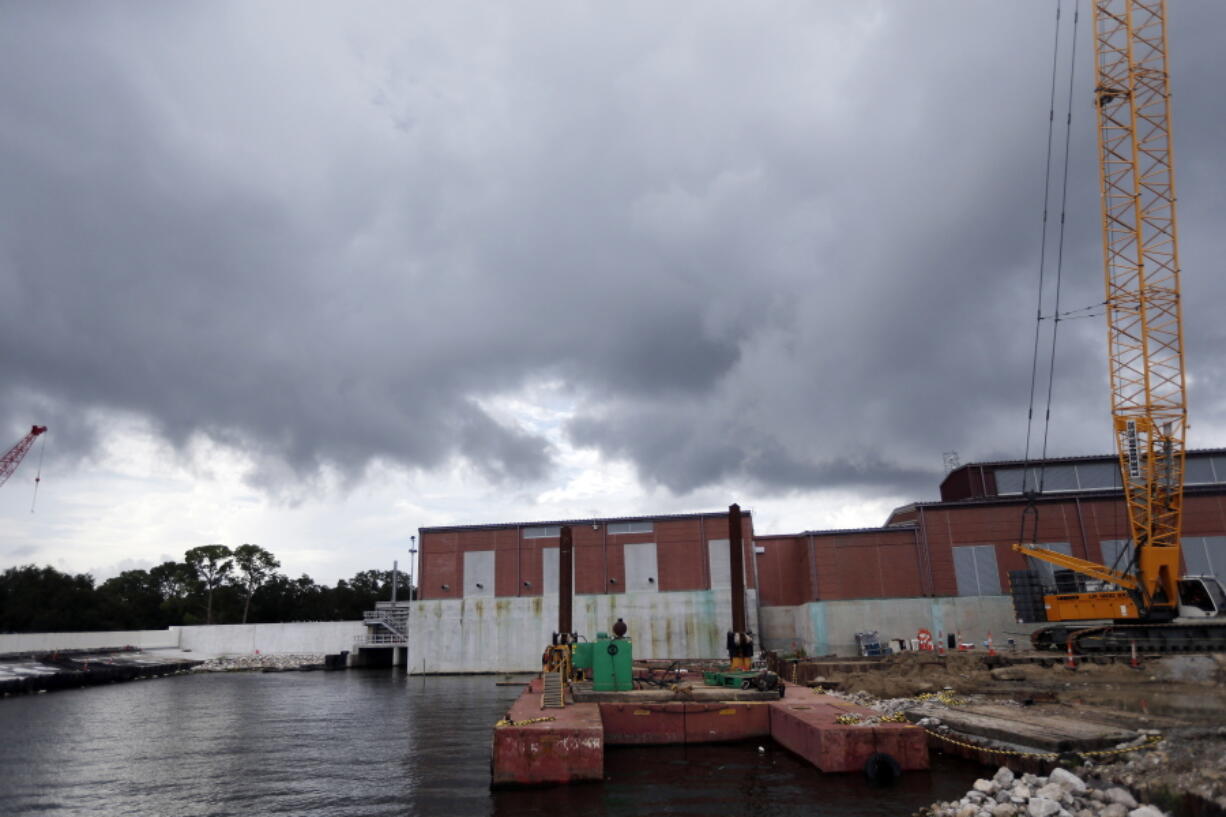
x: 589, y: 695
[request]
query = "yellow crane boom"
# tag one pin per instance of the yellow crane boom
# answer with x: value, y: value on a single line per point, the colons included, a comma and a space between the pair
x: 1144, y: 320
x: 1141, y: 269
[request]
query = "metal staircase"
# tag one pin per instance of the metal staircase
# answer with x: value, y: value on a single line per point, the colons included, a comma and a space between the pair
x: 551, y: 695
x: 387, y: 626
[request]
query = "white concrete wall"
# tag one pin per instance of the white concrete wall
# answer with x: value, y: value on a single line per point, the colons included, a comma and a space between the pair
x: 509, y: 634
x: 825, y: 627
x: 216, y: 639
x: 48, y: 642
x: 295, y: 637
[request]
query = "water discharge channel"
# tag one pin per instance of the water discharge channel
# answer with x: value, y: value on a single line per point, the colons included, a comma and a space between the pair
x: 375, y: 742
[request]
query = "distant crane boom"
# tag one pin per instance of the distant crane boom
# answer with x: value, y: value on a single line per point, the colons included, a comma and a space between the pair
x: 13, y: 457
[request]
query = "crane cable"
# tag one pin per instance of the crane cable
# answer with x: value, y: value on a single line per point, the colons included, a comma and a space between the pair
x: 38, y: 477
x: 1030, y: 512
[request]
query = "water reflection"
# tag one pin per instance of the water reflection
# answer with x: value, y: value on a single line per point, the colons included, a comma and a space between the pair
x: 371, y: 743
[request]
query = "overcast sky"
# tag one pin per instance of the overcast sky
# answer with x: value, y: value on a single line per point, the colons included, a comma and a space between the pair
x: 312, y: 275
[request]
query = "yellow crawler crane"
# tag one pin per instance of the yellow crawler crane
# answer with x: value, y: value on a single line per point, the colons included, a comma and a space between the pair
x: 1145, y: 350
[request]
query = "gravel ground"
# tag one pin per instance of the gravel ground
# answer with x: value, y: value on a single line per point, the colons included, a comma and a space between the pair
x: 1185, y: 774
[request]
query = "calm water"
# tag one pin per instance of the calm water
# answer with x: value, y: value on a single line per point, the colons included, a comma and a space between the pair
x: 374, y: 742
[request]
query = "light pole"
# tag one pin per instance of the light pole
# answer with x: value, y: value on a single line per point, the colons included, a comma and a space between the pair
x: 412, y: 562
x: 412, y: 598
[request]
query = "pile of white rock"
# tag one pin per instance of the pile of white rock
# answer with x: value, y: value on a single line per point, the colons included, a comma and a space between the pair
x: 1062, y: 794
x: 258, y: 662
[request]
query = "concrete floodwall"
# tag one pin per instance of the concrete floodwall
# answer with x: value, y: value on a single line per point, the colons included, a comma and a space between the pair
x: 825, y: 627
x: 208, y: 640
x: 50, y: 642
x: 509, y: 634
x: 295, y: 637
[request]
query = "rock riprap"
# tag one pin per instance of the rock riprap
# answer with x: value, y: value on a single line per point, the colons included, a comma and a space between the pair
x: 259, y: 662
x: 1062, y: 794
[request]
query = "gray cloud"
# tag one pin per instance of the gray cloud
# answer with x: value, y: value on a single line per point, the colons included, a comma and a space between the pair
x: 796, y: 248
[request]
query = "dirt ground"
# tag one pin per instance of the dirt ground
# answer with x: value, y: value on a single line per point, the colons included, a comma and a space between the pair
x: 1181, y: 697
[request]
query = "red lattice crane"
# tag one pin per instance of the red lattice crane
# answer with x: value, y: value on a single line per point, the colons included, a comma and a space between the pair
x: 13, y: 457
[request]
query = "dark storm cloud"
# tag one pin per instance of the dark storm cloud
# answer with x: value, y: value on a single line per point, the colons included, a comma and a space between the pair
x: 796, y: 247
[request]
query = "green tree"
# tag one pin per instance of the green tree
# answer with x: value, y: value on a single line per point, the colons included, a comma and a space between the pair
x: 42, y: 599
x: 131, y: 600
x: 212, y: 565
x: 175, y: 582
x: 256, y: 566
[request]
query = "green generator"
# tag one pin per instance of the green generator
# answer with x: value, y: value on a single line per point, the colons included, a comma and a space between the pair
x: 610, y: 660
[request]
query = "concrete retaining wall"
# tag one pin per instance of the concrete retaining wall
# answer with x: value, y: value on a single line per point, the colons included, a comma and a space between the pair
x: 825, y: 627
x: 50, y: 642
x: 209, y: 640
x: 509, y: 634
x: 297, y: 637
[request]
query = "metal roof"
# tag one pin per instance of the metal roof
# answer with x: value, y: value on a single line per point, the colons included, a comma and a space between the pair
x: 591, y: 521
x: 836, y: 531
x: 1036, y: 463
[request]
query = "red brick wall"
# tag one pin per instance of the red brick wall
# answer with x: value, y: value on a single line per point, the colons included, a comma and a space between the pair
x: 880, y: 563
x: 783, y: 570
x: 681, y: 556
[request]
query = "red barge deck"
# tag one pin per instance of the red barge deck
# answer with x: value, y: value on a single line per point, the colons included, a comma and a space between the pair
x: 537, y: 746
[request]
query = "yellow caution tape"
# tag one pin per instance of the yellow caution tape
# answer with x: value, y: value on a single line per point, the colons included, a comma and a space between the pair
x: 944, y: 696
x: 505, y: 722
x: 1150, y: 743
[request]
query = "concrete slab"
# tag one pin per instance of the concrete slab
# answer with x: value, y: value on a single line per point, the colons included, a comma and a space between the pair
x: 1046, y: 729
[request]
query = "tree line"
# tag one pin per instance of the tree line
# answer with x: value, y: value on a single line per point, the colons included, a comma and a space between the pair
x: 214, y: 584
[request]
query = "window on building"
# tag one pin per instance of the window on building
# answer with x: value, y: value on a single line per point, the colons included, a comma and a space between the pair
x: 550, y: 573
x: 1117, y: 554
x: 1086, y: 476
x: 975, y: 570
x: 1098, y: 476
x: 1008, y: 481
x: 1199, y: 471
x: 543, y: 532
x: 1059, y: 478
x: 641, y: 571
x: 1205, y: 555
x: 478, y: 573
x: 1047, y: 570
x: 631, y: 527
x: 719, y: 559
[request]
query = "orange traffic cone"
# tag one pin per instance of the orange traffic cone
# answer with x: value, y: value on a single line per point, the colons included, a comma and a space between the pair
x: 941, y: 642
x: 1135, y: 662
x: 1070, y: 661
x: 991, y: 649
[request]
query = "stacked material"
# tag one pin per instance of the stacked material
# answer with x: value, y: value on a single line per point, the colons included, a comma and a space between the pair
x: 1062, y: 794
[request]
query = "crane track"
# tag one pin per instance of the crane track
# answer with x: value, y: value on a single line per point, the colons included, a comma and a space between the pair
x: 1171, y: 637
